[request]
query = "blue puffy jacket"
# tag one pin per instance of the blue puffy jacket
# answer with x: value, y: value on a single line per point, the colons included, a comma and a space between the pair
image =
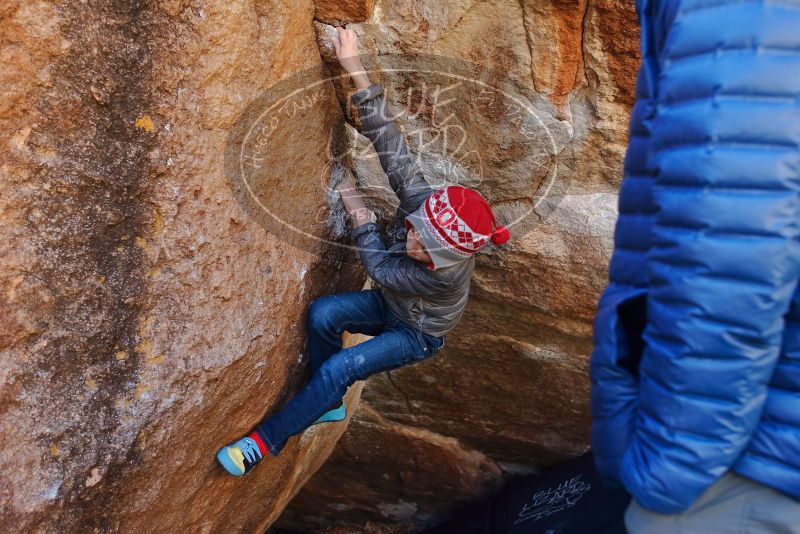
x: 696, y: 366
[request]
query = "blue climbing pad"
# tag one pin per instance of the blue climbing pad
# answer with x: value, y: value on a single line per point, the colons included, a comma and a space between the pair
x: 566, y: 499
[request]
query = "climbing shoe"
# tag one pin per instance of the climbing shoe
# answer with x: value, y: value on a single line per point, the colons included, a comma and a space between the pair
x: 239, y: 458
x: 336, y: 414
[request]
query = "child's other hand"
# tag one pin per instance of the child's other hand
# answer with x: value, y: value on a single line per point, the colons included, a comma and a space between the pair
x: 346, y: 46
x: 353, y: 201
x: 351, y: 196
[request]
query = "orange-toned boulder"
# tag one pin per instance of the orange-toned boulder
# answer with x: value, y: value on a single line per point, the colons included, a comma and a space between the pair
x: 147, y: 318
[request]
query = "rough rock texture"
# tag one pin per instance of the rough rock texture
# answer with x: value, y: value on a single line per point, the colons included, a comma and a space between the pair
x: 509, y: 391
x: 149, y: 318
x: 343, y: 11
x: 146, y: 318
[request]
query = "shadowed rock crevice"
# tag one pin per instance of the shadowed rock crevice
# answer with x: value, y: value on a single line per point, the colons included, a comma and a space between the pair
x: 401, y: 392
x: 402, y: 487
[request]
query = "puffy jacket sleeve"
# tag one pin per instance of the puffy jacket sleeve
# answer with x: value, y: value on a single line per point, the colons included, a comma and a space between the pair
x: 404, y: 175
x: 723, y: 261
x: 398, y: 273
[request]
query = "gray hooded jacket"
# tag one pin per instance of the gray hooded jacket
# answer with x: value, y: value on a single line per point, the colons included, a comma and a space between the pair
x: 429, y: 297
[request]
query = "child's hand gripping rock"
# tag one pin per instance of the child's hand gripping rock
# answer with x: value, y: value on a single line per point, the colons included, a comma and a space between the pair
x: 346, y: 46
x: 353, y: 201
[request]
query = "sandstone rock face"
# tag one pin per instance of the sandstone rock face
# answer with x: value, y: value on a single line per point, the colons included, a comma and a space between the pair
x: 153, y: 306
x: 509, y: 391
x: 146, y: 318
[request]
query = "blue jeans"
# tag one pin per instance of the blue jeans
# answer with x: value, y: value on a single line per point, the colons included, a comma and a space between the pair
x: 334, y: 369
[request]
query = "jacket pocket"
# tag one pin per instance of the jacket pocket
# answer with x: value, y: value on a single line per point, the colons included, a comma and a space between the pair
x: 632, y: 318
x: 614, y: 369
x: 431, y: 343
x: 427, y: 344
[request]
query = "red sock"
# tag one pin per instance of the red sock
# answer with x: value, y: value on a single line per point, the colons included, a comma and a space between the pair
x: 260, y: 442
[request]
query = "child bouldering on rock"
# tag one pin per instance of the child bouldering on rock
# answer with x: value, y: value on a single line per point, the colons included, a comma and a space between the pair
x: 423, y: 274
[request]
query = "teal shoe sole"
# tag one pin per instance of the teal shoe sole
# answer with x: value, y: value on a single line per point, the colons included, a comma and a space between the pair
x: 227, y: 463
x: 337, y: 414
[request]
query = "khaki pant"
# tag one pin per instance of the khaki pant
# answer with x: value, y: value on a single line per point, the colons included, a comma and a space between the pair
x: 733, y: 505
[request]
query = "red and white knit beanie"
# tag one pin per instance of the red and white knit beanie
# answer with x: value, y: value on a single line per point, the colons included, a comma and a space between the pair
x: 454, y: 223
